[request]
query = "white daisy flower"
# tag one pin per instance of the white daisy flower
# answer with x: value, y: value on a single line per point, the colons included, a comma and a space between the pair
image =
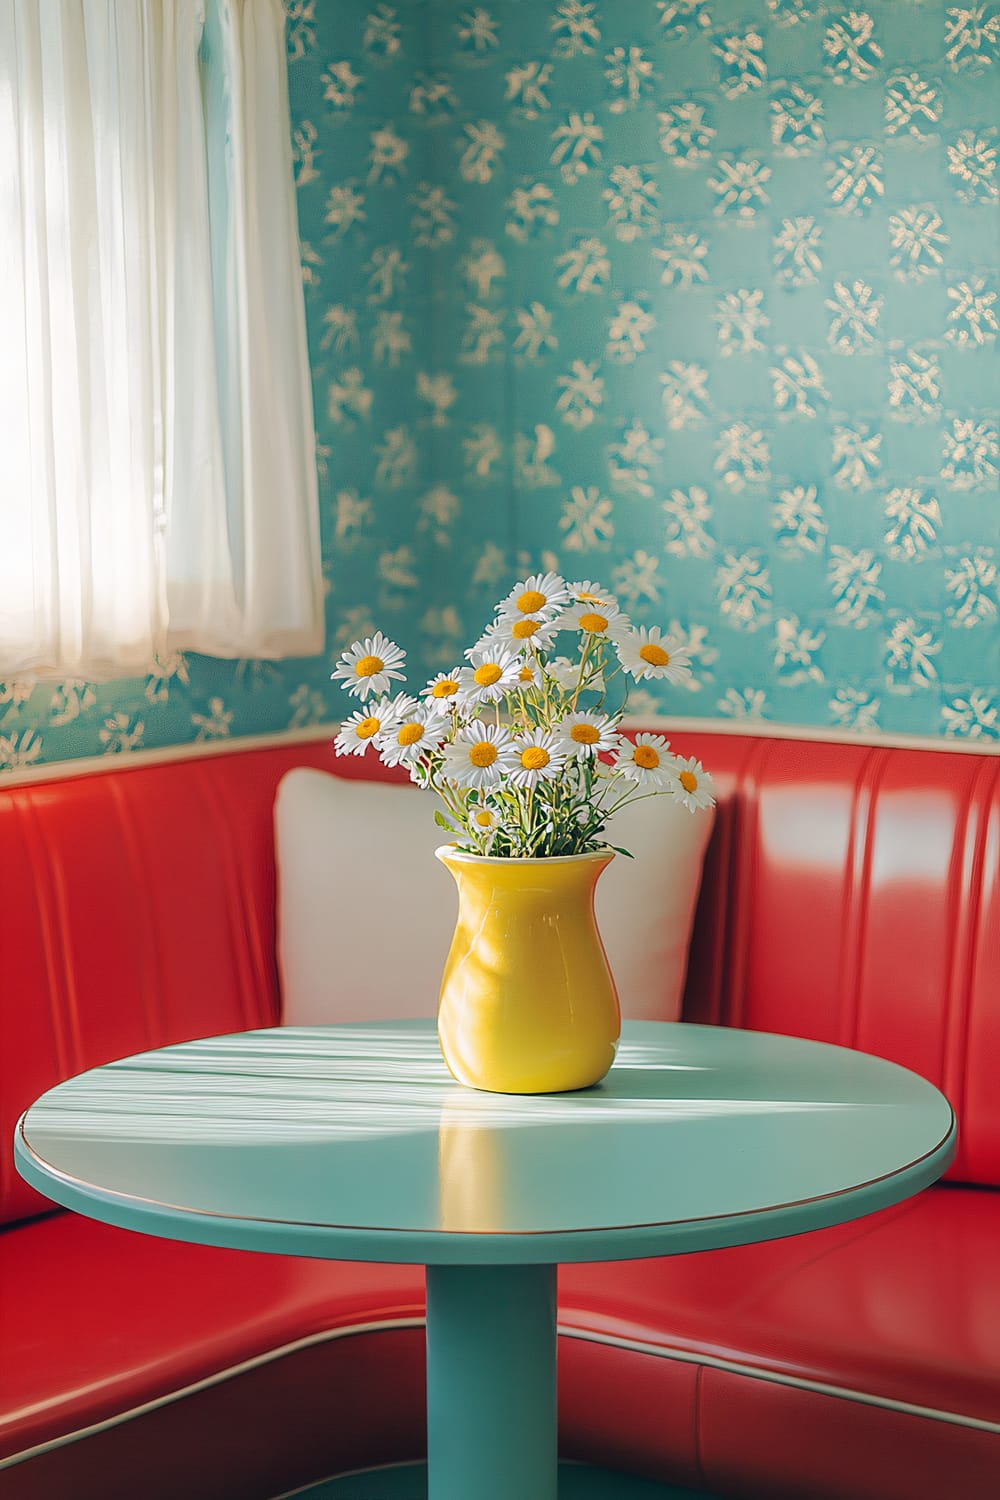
x: 528, y: 673
x: 443, y: 688
x: 485, y: 822
x: 588, y: 734
x: 478, y: 756
x: 646, y: 652
x: 540, y: 756
x: 370, y: 665
x: 588, y: 592
x: 645, y: 760
x: 605, y: 772
x: 492, y: 636
x: 397, y: 708
x: 542, y: 593
x: 488, y: 677
x: 411, y: 735
x: 484, y: 819
x: 691, y: 784
x: 364, y: 725
x: 567, y: 675
x: 525, y: 632
x: 601, y: 619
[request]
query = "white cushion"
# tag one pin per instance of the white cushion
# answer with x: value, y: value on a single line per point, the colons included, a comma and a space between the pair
x: 366, y: 913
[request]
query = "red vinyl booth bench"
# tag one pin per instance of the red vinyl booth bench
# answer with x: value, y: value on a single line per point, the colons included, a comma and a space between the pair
x: 850, y: 894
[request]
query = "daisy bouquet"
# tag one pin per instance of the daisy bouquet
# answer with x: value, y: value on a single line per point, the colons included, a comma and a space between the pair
x: 519, y: 743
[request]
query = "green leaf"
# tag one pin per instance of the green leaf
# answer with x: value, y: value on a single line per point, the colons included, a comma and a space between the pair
x: 618, y: 850
x: 442, y: 821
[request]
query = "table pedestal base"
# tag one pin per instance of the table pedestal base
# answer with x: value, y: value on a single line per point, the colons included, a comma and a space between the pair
x: 491, y: 1382
x: 491, y: 1402
x: 576, y: 1482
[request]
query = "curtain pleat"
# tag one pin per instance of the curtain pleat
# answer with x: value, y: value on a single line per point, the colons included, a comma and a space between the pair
x: 159, y: 487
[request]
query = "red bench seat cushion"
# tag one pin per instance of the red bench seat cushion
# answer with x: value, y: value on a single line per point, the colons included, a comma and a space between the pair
x: 98, y: 1322
x: 859, y: 1361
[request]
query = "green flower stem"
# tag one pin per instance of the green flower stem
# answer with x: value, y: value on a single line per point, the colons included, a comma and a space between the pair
x: 587, y: 646
x: 629, y: 798
x: 453, y: 802
x: 530, y: 802
x: 545, y: 697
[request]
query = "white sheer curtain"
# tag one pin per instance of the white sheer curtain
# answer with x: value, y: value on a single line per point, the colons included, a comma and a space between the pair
x: 157, y: 472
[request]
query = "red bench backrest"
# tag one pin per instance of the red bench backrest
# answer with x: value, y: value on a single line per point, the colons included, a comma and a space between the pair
x: 852, y: 895
x: 136, y: 909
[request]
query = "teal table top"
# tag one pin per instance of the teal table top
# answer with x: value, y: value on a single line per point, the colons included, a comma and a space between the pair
x: 353, y: 1142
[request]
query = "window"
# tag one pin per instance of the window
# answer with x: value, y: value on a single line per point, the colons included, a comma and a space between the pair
x: 158, y: 483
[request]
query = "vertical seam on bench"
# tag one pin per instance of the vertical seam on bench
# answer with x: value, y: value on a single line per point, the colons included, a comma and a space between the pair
x: 955, y: 1041
x: 51, y: 906
x: 699, y: 1375
x: 746, y: 805
x: 854, y: 913
x: 720, y: 852
x: 152, y: 996
x: 261, y: 954
x: 236, y: 913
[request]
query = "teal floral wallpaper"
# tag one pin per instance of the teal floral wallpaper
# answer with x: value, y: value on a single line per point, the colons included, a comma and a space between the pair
x: 692, y: 297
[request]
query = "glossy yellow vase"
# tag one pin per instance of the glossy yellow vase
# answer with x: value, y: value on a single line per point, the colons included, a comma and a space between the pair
x: 528, y: 1004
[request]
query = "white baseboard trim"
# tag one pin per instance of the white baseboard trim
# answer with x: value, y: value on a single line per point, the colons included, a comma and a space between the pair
x: 91, y: 765
x: 767, y: 730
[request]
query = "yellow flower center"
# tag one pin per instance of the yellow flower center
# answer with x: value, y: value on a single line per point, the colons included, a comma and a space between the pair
x: 368, y: 666
x: 534, y: 758
x: 593, y: 622
x: 646, y: 757
x: 688, y: 781
x: 655, y: 655
x: 488, y: 674
x: 367, y: 727
x: 524, y: 629
x: 484, y: 819
x: 526, y: 674
x: 446, y: 688
x: 532, y: 601
x: 585, y: 734
x: 482, y: 754
x: 409, y: 734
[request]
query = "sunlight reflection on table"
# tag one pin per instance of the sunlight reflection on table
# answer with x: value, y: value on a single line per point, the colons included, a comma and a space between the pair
x: 334, y: 1082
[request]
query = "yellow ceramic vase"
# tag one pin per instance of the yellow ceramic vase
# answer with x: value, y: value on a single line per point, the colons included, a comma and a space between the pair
x: 528, y: 1004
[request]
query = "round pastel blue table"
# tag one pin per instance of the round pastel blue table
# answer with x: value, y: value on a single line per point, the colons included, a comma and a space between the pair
x: 354, y: 1143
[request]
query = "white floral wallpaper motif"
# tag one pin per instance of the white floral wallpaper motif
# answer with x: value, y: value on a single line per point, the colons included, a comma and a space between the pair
x: 698, y: 298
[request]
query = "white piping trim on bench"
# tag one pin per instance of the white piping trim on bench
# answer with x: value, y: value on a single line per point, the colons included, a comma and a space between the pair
x: 861, y: 1398
x: 906, y: 1408
x: 311, y: 1484
x: 403, y: 1463
x: 230, y: 1373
